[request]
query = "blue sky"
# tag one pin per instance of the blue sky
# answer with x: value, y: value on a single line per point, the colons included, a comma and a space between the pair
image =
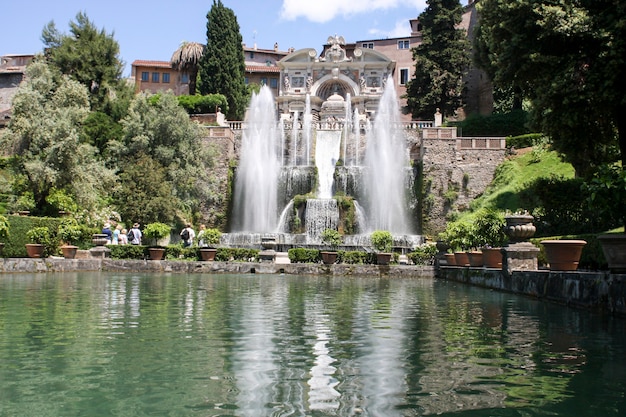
x: 153, y: 30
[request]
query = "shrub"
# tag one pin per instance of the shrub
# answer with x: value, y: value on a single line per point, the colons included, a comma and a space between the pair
x: 156, y: 231
x: 212, y: 237
x: 69, y: 231
x: 301, y: 255
x: 332, y: 238
x: 423, y: 255
x: 382, y: 240
x: 355, y: 257
x: 4, y: 227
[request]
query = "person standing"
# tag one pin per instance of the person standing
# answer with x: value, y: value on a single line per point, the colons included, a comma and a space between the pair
x: 187, y: 235
x: 116, y: 234
x: 123, y: 238
x: 134, y: 235
x: 201, y: 241
x: 106, y: 230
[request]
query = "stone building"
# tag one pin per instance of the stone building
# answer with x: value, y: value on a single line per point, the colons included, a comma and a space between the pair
x: 12, y: 69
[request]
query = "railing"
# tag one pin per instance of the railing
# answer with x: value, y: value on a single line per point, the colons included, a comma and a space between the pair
x: 338, y: 125
x: 482, y: 143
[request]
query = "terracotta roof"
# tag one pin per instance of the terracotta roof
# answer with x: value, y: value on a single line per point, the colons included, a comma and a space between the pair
x: 148, y: 63
x: 262, y: 68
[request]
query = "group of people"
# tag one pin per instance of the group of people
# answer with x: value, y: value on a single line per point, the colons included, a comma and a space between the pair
x: 121, y: 236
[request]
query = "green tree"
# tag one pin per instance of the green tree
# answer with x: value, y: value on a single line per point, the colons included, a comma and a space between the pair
x: 161, y: 131
x: 43, y: 136
x: 89, y: 56
x: 440, y: 61
x: 567, y: 57
x: 222, y: 67
x: 187, y: 58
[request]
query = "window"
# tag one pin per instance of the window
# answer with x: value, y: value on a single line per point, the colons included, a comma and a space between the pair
x: 251, y: 54
x: 246, y: 80
x: 404, y: 44
x: 166, y: 77
x: 155, y: 77
x: 184, y: 79
x: 404, y: 76
x: 145, y: 76
x: 263, y: 81
x: 273, y: 82
x: 368, y: 45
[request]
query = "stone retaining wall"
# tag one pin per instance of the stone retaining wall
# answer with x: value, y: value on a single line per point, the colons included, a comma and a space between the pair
x: 31, y: 265
x: 598, y: 291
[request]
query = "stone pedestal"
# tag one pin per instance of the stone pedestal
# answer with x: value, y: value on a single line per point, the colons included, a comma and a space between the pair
x: 267, y: 255
x: 100, y: 252
x: 520, y: 257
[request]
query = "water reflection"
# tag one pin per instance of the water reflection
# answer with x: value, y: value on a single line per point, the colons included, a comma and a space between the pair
x: 253, y: 345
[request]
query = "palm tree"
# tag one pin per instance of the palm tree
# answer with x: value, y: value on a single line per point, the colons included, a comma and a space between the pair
x: 186, y: 58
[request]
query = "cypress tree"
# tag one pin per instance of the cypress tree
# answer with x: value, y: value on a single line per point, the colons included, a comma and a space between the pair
x: 222, y: 67
x: 440, y: 61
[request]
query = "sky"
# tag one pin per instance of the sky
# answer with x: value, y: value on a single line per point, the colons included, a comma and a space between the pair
x: 152, y: 30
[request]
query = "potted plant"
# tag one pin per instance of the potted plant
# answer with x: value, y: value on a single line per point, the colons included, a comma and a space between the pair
x: 607, y: 194
x: 489, y: 229
x: 382, y: 242
x: 211, y: 238
x: 40, y: 241
x: 156, y: 231
x: 332, y: 238
x: 4, y: 230
x: 458, y: 235
x: 69, y: 232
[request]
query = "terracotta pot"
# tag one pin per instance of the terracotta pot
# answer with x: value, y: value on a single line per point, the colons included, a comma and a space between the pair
x: 475, y: 258
x: 69, y: 251
x: 461, y: 259
x: 614, y: 249
x: 329, y: 258
x: 563, y: 255
x: 383, y: 258
x: 492, y: 257
x: 450, y: 259
x: 34, y: 250
x: 156, y: 254
x: 208, y: 254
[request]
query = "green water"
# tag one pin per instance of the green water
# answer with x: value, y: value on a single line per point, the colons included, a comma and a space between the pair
x: 95, y: 344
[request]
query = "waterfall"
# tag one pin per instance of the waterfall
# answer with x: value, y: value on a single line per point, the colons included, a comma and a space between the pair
x: 357, y: 136
x: 346, y: 127
x: 327, y: 148
x: 321, y: 214
x: 256, y: 182
x: 386, y: 161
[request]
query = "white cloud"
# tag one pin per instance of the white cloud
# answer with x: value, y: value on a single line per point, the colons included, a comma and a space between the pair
x: 322, y: 11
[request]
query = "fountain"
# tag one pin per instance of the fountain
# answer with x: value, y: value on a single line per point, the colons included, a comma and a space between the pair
x: 290, y: 198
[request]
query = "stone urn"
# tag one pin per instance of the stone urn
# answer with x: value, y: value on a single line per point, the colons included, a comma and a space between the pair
x: 99, y: 239
x: 563, y: 255
x: 614, y: 249
x: 519, y: 227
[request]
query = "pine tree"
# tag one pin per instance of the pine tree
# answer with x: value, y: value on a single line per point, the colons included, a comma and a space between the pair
x: 440, y: 61
x: 222, y: 68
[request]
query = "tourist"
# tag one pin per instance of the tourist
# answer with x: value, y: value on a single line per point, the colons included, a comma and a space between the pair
x: 187, y: 235
x: 201, y: 241
x: 134, y: 235
x: 106, y: 230
x: 123, y: 237
x: 116, y: 235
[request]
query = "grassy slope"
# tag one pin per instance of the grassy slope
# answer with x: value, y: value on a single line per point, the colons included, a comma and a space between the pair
x: 512, y: 176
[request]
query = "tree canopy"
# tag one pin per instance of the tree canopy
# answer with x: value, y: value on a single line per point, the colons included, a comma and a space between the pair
x: 88, y: 55
x: 568, y: 57
x: 440, y: 61
x: 44, y: 137
x: 222, y: 67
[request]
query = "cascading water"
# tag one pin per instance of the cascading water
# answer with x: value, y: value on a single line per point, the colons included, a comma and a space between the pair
x: 307, y: 122
x: 256, y: 181
x: 386, y: 163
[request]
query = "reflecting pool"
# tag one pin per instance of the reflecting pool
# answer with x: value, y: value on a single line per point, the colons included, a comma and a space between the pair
x: 100, y: 344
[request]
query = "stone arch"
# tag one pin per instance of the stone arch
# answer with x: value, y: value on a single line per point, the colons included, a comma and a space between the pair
x: 327, y: 85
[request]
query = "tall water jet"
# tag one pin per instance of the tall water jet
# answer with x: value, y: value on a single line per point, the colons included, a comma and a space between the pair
x: 356, y: 130
x: 256, y: 182
x: 294, y: 138
x: 386, y: 163
x: 306, y: 127
x: 346, y: 127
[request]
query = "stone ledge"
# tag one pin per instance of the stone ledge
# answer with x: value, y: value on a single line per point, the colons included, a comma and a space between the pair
x: 33, y: 265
